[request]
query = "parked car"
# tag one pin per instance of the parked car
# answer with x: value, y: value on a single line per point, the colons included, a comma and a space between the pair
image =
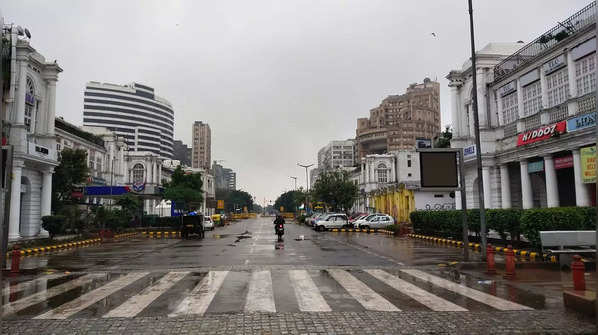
x: 364, y: 219
x: 208, y: 224
x: 312, y: 219
x: 378, y: 221
x: 329, y: 221
x: 357, y: 218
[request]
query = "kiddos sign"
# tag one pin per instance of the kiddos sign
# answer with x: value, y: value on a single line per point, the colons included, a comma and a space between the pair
x: 541, y: 133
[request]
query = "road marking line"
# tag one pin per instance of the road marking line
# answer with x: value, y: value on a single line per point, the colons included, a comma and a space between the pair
x: 138, y: 302
x: 28, y: 285
x: 367, y: 297
x: 308, y: 295
x: 260, y: 297
x: 424, y: 297
x: 36, y: 298
x: 198, y: 301
x: 74, y: 306
x: 488, y: 299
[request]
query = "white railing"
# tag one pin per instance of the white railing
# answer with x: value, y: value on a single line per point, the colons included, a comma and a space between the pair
x: 558, y: 113
x: 532, y: 122
x: 511, y: 129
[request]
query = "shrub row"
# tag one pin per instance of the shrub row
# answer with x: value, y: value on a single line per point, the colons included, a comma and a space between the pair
x: 513, y: 222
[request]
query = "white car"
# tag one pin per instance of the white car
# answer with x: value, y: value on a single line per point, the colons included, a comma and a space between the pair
x: 208, y: 224
x: 331, y: 221
x: 377, y: 222
x: 364, y: 219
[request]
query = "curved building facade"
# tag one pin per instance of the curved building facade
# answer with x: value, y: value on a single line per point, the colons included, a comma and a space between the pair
x: 132, y: 111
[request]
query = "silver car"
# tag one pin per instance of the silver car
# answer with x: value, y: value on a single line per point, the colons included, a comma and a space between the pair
x: 377, y: 222
x: 330, y: 221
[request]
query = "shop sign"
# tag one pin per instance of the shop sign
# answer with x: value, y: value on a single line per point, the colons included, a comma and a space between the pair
x: 588, y: 164
x: 220, y: 204
x: 542, y: 133
x: 554, y: 64
x: 581, y: 122
x: 469, y: 152
x: 508, y: 88
x: 563, y: 162
x: 535, y: 166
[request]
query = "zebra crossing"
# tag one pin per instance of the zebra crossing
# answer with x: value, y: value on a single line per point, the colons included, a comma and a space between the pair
x: 186, y: 293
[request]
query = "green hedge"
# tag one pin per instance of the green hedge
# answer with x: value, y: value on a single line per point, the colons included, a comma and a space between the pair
x: 505, y: 221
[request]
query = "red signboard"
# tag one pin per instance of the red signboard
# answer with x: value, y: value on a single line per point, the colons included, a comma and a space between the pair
x: 541, y: 133
x: 563, y: 162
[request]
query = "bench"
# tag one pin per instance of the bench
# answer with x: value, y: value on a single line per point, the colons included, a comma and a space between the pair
x: 567, y: 243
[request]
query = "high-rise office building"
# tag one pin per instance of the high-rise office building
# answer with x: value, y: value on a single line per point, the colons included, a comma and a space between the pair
x: 132, y: 111
x: 182, y: 152
x: 202, y: 145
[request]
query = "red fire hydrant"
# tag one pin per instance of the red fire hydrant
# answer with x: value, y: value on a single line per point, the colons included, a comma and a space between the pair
x: 578, y: 269
x: 509, y: 263
x: 16, y: 259
x: 490, y: 269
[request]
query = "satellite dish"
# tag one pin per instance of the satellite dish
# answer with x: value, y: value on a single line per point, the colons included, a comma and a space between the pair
x: 27, y: 33
x: 20, y: 31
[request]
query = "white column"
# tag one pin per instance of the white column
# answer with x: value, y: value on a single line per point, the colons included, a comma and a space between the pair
x: 482, y: 107
x: 487, y: 191
x: 21, y: 89
x: 51, y: 114
x: 458, y: 200
x: 572, y: 105
x: 552, y: 186
x: 582, y: 197
x: 505, y: 186
x: 456, y: 118
x: 15, y: 201
x: 160, y: 173
x: 526, y: 186
x: 46, y: 198
x: 519, y: 99
x: 544, y: 88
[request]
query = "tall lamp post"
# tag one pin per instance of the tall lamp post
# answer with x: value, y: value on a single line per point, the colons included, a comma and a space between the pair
x: 307, y: 184
x: 476, y: 127
x: 294, y: 178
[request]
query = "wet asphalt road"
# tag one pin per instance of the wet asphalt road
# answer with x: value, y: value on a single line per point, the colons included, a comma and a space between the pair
x: 241, y: 269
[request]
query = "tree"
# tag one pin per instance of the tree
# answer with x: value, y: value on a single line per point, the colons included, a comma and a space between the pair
x: 444, y: 139
x: 290, y: 200
x: 336, y: 190
x: 235, y: 199
x: 72, y: 170
x: 184, y: 189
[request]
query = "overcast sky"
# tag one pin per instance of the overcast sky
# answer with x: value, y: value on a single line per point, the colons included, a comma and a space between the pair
x: 276, y: 80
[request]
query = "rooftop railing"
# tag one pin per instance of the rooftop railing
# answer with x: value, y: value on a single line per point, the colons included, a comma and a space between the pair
x: 547, y: 40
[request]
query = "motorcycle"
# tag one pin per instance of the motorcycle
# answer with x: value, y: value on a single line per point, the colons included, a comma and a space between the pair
x: 279, y: 231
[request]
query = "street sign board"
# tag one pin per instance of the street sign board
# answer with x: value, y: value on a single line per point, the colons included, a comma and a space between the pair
x: 220, y: 204
x: 438, y: 169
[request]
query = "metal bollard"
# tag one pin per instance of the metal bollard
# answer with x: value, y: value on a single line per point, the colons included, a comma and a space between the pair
x: 578, y: 269
x: 16, y: 259
x: 509, y: 263
x: 490, y: 269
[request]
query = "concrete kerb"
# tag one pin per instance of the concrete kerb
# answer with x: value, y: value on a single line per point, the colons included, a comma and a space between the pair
x: 527, y: 254
x: 357, y: 230
x: 57, y: 247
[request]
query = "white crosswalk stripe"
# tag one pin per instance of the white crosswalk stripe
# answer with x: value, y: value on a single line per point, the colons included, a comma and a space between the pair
x: 361, y: 292
x: 198, y: 301
x: 44, y: 295
x: 260, y: 297
x: 29, y: 285
x: 308, y: 296
x: 422, y: 296
x: 138, y: 302
x: 90, y: 298
x: 490, y: 300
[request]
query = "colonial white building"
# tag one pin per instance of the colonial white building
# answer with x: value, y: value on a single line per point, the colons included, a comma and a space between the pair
x: 30, y: 106
x: 537, y: 112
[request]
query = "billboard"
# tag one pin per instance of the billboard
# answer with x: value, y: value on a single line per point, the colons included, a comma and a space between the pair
x: 438, y: 169
x: 588, y: 164
x: 423, y: 143
x: 541, y: 133
x: 220, y: 204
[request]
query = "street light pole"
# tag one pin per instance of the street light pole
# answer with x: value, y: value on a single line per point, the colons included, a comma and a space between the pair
x: 307, y: 184
x: 476, y: 127
x: 294, y: 178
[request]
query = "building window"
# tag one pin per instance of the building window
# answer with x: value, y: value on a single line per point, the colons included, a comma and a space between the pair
x: 408, y: 163
x: 382, y: 173
x: 138, y: 173
x: 532, y: 98
x: 30, y: 106
x: 585, y: 76
x: 558, y: 87
x: 510, y: 108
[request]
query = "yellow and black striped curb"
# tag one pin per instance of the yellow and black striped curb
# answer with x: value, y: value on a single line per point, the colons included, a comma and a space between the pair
x: 357, y: 230
x: 57, y: 247
x: 161, y: 234
x: 526, y: 254
x: 125, y: 235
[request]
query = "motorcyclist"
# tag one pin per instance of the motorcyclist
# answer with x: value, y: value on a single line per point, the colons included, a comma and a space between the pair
x: 279, y: 220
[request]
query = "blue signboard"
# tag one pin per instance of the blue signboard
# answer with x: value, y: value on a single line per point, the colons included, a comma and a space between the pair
x: 537, y: 166
x: 581, y: 122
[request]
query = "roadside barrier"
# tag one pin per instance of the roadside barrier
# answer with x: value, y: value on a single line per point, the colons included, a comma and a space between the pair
x: 357, y: 230
x: 490, y: 269
x: 55, y: 247
x: 509, y: 264
x: 161, y: 234
x: 578, y: 270
x: 16, y: 259
x: 522, y: 254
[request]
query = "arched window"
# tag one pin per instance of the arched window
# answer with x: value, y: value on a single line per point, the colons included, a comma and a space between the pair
x: 138, y: 173
x: 382, y: 172
x: 30, y: 106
